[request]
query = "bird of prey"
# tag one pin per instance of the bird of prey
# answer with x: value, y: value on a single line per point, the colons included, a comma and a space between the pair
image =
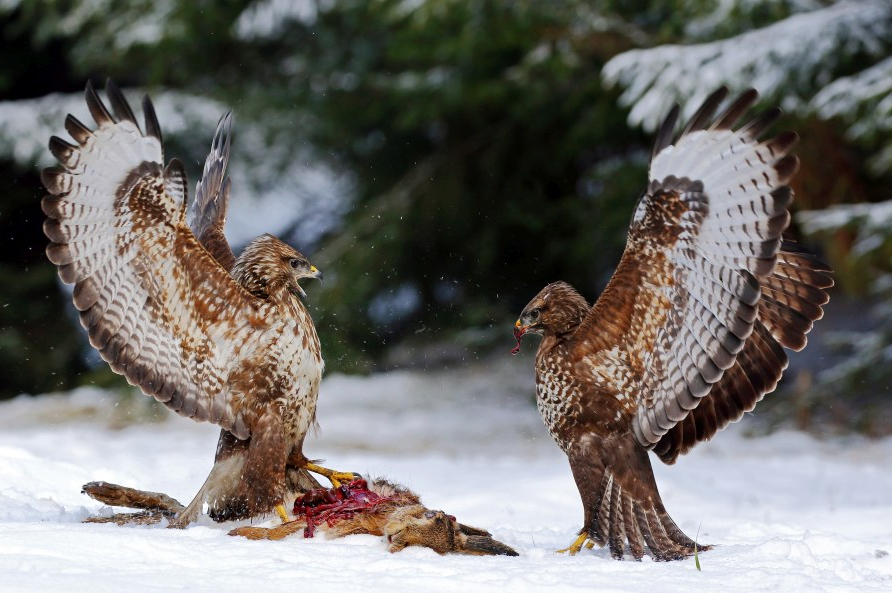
x: 689, y: 334
x: 215, y: 338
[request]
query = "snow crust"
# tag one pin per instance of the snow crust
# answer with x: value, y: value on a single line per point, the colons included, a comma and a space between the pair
x: 786, y: 512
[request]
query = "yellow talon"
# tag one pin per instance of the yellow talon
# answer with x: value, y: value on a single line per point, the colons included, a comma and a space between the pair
x: 333, y: 476
x: 577, y: 544
x: 283, y: 514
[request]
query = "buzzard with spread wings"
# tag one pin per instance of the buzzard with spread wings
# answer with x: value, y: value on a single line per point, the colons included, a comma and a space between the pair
x: 689, y: 333
x: 215, y: 338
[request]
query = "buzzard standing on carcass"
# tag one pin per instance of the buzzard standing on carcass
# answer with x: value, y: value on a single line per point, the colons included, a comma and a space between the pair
x: 688, y: 334
x: 213, y: 337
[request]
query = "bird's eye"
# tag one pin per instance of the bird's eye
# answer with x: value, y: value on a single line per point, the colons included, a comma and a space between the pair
x: 534, y: 314
x: 294, y: 263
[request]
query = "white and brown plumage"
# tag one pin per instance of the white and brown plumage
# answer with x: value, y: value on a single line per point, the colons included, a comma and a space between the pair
x: 690, y: 332
x: 160, y: 305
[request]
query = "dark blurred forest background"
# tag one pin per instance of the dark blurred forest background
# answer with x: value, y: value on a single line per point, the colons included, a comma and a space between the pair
x: 441, y: 160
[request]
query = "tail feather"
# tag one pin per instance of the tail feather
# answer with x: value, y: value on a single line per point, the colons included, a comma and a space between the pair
x: 616, y: 529
x: 665, y: 540
x: 644, y: 527
x: 665, y: 548
x: 599, y: 529
x: 673, y: 532
x: 623, y: 509
x: 633, y: 533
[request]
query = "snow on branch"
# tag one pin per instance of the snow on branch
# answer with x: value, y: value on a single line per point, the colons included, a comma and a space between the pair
x: 267, y: 19
x: 865, y: 99
x: 797, y: 53
x: 872, y: 218
x: 736, y: 13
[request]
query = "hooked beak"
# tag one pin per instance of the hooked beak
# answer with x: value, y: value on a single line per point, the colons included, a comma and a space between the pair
x: 316, y: 273
x: 519, y: 330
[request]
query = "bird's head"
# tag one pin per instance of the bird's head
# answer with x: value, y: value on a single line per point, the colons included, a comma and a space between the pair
x: 268, y: 266
x: 558, y: 309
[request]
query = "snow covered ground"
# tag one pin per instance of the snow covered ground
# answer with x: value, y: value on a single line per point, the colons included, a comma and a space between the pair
x: 786, y: 512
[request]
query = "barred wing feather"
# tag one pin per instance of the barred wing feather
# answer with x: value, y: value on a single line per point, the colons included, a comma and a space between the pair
x: 711, y: 299
x: 715, y: 266
x: 154, y: 302
x: 792, y: 297
x: 207, y: 215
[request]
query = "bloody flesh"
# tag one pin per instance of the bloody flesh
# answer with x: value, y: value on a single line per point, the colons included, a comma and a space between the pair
x: 518, y: 335
x: 335, y: 504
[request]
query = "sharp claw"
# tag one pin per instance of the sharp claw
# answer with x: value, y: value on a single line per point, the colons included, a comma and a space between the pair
x: 335, y: 477
x: 578, y: 543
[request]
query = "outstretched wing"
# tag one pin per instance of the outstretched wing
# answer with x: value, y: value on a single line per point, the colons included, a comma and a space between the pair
x: 160, y: 310
x: 792, y: 297
x: 207, y: 215
x: 703, y: 235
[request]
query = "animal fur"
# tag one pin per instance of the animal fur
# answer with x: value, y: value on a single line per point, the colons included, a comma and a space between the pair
x: 400, y: 518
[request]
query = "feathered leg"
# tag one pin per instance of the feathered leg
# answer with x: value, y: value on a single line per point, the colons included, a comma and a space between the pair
x: 229, y: 463
x: 261, y: 485
x: 248, y: 477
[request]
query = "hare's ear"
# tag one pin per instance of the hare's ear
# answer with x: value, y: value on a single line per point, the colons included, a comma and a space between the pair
x: 483, y: 545
x: 468, y: 530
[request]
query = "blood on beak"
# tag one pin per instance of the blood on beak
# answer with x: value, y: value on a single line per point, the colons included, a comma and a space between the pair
x: 519, y: 331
